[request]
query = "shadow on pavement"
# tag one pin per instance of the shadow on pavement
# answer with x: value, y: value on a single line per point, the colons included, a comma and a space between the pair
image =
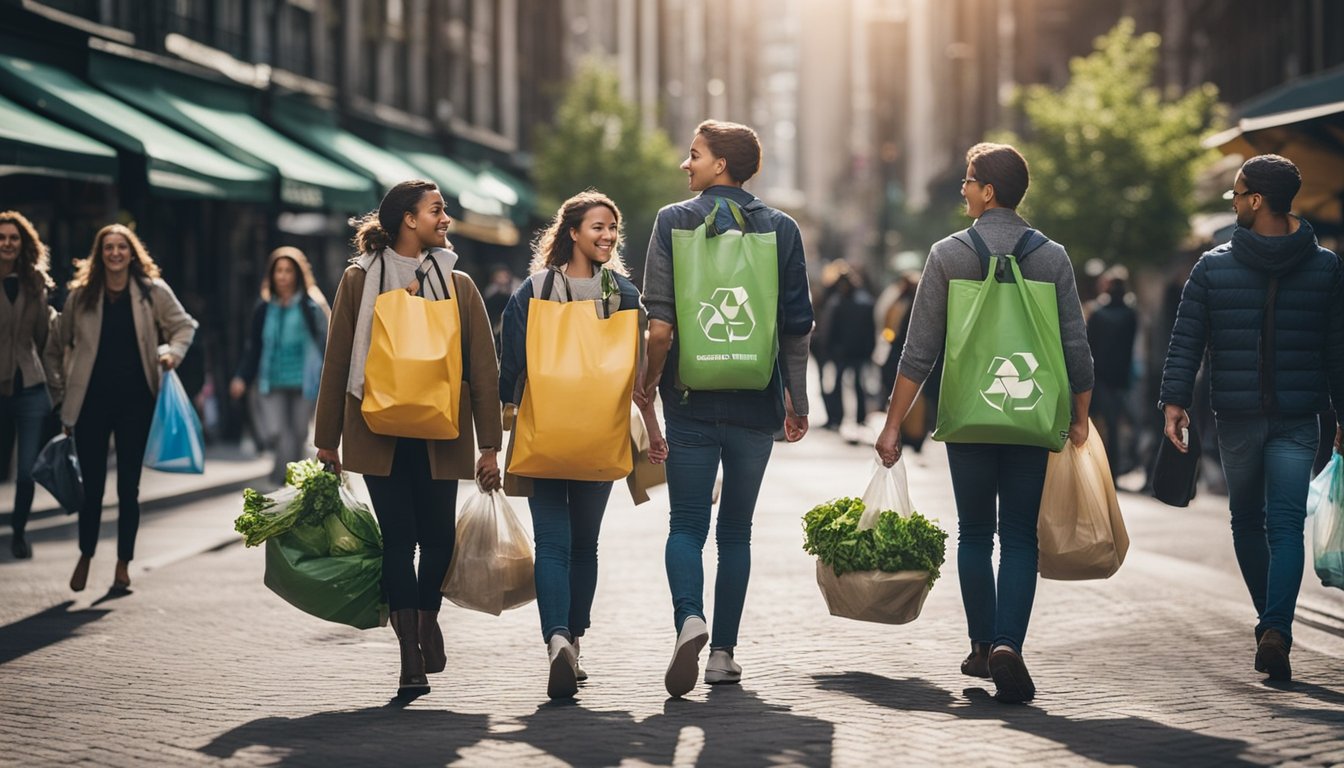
x: 733, y: 726
x: 386, y: 735
x: 1115, y: 740
x: 43, y: 629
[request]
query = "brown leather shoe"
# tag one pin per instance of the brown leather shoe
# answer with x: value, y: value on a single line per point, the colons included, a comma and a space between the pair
x: 406, y: 623
x: 431, y: 642
x: 80, y: 578
x: 1271, y: 656
x: 977, y: 663
x: 1010, y: 676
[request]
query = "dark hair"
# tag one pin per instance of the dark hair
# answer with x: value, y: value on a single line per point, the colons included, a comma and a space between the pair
x: 33, y: 267
x: 90, y: 273
x: 1002, y: 167
x: 1275, y: 178
x: 379, y: 229
x: 307, y: 285
x: 554, y: 247
x: 737, y: 144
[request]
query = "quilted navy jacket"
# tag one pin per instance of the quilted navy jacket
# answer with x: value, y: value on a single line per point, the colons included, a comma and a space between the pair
x: 1271, y: 312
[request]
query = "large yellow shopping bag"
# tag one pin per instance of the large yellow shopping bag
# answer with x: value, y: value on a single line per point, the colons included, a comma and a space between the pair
x: 414, y: 371
x: 574, y: 419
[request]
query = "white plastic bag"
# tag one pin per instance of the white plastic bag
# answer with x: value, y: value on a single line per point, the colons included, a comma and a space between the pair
x: 492, y: 567
x: 1325, y: 501
x: 889, y: 489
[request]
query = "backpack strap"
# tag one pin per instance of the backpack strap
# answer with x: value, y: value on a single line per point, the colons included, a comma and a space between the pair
x: 1029, y: 242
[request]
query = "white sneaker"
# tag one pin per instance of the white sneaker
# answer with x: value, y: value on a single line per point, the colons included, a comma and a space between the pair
x: 685, y: 665
x: 580, y: 673
x: 562, y: 682
x: 721, y: 668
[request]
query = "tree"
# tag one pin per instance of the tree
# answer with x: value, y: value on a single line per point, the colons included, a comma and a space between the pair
x: 598, y: 140
x: 1113, y: 162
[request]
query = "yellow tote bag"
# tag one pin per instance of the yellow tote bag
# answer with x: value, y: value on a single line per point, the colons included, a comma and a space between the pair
x: 413, y: 375
x: 574, y: 421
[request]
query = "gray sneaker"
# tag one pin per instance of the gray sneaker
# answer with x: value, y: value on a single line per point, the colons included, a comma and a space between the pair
x: 721, y: 668
x: 685, y: 665
x: 561, y: 682
x: 580, y: 673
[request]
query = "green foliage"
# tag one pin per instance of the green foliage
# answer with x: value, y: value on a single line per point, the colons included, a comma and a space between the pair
x: 1112, y: 161
x: 598, y: 140
x: 831, y: 532
x: 311, y: 498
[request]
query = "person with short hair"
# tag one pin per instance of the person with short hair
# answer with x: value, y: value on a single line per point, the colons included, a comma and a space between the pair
x: 1269, y: 307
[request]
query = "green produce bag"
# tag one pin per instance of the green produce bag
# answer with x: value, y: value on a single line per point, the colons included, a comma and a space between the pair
x: 1004, y: 379
x: 727, y: 289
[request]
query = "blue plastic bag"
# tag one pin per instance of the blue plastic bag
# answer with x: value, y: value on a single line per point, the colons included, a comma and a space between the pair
x: 57, y: 470
x: 176, y: 442
x: 1325, y: 501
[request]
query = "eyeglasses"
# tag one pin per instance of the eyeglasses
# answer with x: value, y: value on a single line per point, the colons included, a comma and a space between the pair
x: 1232, y: 194
x: 971, y: 180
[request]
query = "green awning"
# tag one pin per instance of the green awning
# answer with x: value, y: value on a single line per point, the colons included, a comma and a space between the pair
x: 508, y: 187
x: 32, y: 144
x: 318, y: 129
x: 176, y: 164
x: 222, y: 116
x: 477, y: 213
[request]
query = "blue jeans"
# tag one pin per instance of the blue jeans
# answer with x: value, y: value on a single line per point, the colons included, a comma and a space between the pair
x: 997, y: 486
x: 695, y: 449
x: 1268, y: 466
x: 566, y: 520
x: 29, y: 407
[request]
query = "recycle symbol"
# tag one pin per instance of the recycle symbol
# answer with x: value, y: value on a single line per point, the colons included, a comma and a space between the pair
x: 1013, y: 386
x: 727, y: 316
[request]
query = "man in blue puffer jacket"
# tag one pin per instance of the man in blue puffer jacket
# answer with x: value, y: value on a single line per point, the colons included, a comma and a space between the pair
x: 1269, y: 306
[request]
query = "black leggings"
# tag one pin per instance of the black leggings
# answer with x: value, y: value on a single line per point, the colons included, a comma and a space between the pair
x: 413, y: 508
x: 128, y: 418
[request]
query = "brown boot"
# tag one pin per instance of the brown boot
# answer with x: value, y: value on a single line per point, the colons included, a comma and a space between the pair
x: 977, y: 664
x: 121, y: 579
x: 80, y: 577
x: 431, y: 642
x: 406, y: 623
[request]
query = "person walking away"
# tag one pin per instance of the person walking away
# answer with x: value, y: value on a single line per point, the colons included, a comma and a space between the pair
x: 412, y: 482
x: 996, y: 487
x: 1111, y: 331
x: 707, y: 428
x: 851, y: 336
x: 25, y: 317
x: 283, y: 355
x: 497, y: 295
x: 1269, y: 306
x: 104, y: 362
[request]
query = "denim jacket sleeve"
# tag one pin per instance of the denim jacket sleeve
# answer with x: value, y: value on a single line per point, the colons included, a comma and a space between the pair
x: 513, y: 344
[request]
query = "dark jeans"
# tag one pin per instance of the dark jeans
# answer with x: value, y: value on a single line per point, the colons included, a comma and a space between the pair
x: 28, y: 409
x: 127, y: 418
x: 834, y: 397
x: 1109, y: 406
x: 1267, y: 462
x: 997, y: 486
x: 413, y: 508
x: 695, y: 449
x: 566, y: 519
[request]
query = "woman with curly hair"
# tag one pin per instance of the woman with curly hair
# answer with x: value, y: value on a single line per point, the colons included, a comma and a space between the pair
x: 104, y: 359
x: 24, y: 318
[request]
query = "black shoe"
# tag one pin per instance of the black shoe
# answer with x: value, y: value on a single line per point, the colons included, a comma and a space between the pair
x: 19, y: 547
x: 1271, y: 656
x: 977, y: 663
x: 1010, y: 677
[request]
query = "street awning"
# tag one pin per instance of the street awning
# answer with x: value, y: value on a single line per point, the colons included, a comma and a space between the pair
x: 32, y: 144
x: 318, y: 129
x: 477, y: 213
x: 176, y: 164
x: 222, y: 116
x: 519, y: 195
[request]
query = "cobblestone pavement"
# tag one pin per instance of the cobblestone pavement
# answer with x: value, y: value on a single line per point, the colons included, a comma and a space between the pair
x: 203, y: 665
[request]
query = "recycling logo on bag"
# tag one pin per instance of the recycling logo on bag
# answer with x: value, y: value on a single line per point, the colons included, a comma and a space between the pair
x: 727, y: 316
x: 1013, y: 386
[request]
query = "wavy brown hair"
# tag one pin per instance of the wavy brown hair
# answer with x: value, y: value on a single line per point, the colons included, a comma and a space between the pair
x: 554, y: 247
x: 379, y: 229
x: 307, y: 284
x: 91, y: 275
x: 34, y: 264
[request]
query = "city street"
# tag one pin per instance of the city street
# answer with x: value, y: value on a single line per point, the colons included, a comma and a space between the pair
x: 203, y: 665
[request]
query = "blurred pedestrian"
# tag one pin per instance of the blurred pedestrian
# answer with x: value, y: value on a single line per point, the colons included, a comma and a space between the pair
x: 997, y: 487
x: 850, y: 338
x: 496, y: 296
x: 412, y: 482
x: 1270, y: 308
x: 734, y: 427
x: 1111, y: 330
x: 122, y: 326
x: 283, y: 356
x: 25, y: 317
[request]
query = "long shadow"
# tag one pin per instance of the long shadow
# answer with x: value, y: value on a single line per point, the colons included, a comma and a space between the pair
x: 1114, y: 741
x: 733, y: 727
x: 1320, y: 693
x: 388, y: 735
x: 43, y: 629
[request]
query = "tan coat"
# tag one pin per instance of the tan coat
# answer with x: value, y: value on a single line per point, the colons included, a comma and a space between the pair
x: 340, y: 420
x: 73, y: 344
x: 23, y: 337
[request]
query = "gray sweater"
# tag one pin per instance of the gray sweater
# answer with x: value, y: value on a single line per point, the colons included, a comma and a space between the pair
x: 950, y: 259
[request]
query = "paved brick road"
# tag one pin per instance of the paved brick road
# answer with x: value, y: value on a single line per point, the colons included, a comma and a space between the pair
x: 202, y: 665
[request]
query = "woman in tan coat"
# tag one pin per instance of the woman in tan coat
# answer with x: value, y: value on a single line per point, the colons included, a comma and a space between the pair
x: 103, y: 361
x: 413, y: 482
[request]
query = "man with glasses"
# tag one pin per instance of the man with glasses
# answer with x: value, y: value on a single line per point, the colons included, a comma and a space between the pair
x: 1270, y: 307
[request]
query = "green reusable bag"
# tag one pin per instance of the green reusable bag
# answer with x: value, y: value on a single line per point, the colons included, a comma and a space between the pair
x: 1004, y: 380
x: 727, y: 289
